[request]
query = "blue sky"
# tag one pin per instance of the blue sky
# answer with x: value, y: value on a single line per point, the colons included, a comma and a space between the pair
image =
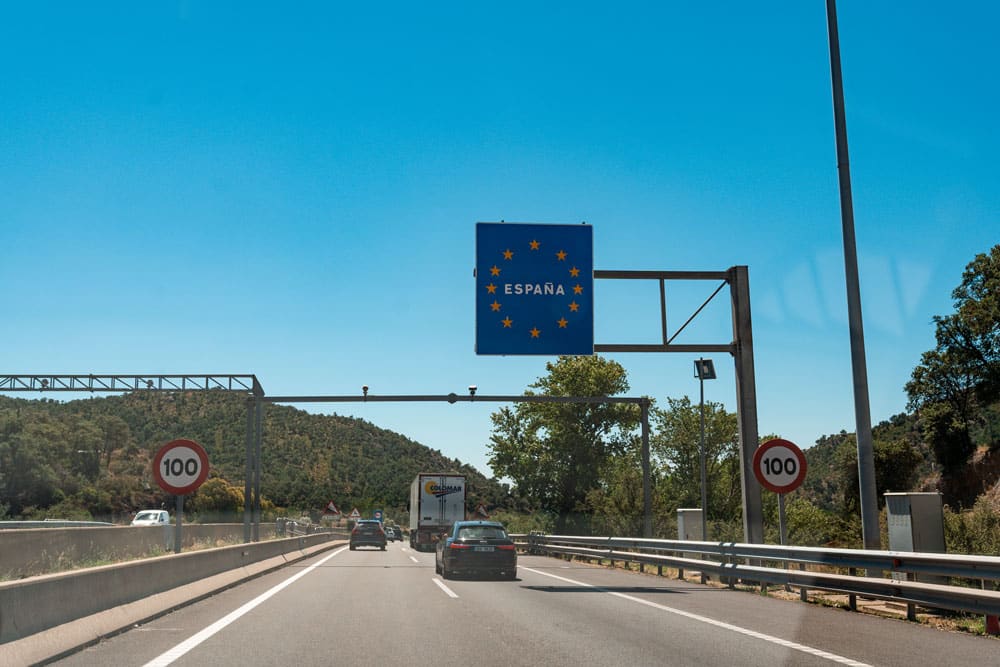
x: 236, y: 187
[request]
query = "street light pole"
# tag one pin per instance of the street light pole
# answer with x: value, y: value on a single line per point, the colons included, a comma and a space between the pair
x: 704, y: 370
x: 862, y: 408
x: 704, y: 471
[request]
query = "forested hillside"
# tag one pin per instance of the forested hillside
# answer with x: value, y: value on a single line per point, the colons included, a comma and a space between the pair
x: 92, y: 457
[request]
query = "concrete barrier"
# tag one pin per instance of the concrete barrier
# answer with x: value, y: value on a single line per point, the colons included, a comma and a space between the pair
x: 32, y: 605
x: 33, y: 551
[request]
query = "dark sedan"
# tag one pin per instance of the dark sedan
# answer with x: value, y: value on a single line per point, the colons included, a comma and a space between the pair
x: 476, y: 547
x: 368, y: 533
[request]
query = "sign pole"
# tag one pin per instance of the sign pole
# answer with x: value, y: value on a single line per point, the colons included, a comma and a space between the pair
x: 782, y: 530
x: 178, y: 512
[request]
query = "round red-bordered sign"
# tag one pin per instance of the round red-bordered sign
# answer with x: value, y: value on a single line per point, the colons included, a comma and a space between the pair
x: 779, y: 465
x: 180, y: 467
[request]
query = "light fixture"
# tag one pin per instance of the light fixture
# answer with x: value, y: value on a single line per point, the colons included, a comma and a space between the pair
x: 704, y: 369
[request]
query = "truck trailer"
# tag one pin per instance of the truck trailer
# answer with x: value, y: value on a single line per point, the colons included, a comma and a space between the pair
x: 437, y: 500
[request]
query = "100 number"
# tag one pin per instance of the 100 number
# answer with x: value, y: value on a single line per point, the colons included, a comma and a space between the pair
x: 778, y: 466
x: 178, y: 467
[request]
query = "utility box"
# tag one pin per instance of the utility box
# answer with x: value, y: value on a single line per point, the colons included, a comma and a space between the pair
x: 916, y: 523
x: 689, y: 525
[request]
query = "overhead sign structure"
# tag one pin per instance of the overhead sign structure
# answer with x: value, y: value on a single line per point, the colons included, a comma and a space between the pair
x: 180, y: 467
x: 534, y: 289
x: 779, y: 465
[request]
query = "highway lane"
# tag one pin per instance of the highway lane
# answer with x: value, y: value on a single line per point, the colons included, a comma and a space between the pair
x: 383, y: 608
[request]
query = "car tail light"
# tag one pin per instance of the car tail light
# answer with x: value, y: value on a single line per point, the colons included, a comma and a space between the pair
x: 459, y: 545
x: 505, y: 547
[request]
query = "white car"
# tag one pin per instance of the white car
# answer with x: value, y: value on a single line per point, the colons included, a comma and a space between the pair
x: 151, y: 518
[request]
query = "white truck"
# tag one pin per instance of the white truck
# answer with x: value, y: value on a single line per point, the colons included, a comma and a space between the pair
x: 437, y: 500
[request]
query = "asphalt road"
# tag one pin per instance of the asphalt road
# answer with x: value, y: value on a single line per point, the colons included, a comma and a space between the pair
x: 370, y: 607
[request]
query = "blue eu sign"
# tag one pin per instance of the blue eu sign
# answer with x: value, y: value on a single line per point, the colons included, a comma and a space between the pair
x: 534, y: 289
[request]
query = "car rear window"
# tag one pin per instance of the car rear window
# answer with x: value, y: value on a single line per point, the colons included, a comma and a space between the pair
x: 482, y: 533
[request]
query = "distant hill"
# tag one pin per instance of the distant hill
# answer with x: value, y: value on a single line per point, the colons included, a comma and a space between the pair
x: 96, y: 453
x: 902, y: 463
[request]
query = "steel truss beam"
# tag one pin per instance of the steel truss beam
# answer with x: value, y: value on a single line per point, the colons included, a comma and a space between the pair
x: 122, y: 383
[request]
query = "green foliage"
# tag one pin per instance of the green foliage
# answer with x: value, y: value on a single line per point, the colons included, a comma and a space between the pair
x: 676, y: 445
x: 957, y: 381
x: 215, y: 501
x: 519, y: 522
x: 896, y: 464
x: 616, y: 505
x: 809, y: 525
x: 976, y: 531
x: 556, y: 452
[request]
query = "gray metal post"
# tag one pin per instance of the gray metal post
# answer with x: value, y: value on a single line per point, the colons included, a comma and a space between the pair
x: 179, y: 512
x: 704, y: 466
x: 647, y: 500
x: 862, y: 410
x: 782, y: 526
x: 746, y: 403
x: 248, y: 476
x: 257, y: 467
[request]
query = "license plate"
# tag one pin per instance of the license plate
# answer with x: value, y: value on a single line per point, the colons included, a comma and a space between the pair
x: 483, y: 549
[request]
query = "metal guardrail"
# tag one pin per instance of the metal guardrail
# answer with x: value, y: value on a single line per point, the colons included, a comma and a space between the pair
x: 753, y: 563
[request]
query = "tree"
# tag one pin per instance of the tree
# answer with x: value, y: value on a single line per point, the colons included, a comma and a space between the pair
x: 617, y: 503
x: 556, y: 453
x: 676, y: 445
x: 216, y: 499
x: 896, y: 464
x: 957, y: 380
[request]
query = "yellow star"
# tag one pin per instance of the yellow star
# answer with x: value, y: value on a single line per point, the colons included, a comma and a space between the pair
x: 535, y: 333
x: 577, y: 289
x: 574, y: 306
x: 561, y: 255
x: 534, y: 245
x: 507, y: 322
x: 574, y: 272
x: 495, y: 306
x: 508, y: 254
x: 491, y: 288
x: 495, y: 271
x: 562, y: 322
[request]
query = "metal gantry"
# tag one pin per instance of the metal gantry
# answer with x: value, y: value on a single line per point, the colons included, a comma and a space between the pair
x: 121, y: 383
x: 741, y: 347
x: 246, y: 383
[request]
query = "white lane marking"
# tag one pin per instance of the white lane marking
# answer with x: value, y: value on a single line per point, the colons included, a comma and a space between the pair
x: 193, y: 641
x: 447, y: 590
x: 711, y: 621
x: 414, y: 559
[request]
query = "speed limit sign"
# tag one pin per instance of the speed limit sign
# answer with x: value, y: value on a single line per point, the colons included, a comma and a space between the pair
x: 779, y: 465
x: 180, y: 467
